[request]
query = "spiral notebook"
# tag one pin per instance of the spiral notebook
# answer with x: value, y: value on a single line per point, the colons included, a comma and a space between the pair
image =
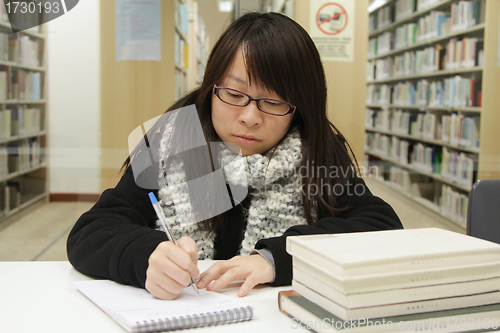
x: 136, y: 310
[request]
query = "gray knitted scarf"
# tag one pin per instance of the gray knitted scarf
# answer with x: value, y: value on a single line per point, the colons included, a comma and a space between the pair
x: 274, y: 187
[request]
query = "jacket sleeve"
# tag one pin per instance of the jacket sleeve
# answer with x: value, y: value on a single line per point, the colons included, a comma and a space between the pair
x: 115, y: 238
x: 365, y: 212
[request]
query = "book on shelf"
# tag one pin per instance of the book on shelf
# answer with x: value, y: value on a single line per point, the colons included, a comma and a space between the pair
x: 4, y: 161
x: 24, y: 155
x: 23, y: 120
x: 433, y: 25
x: 4, y: 47
x: 397, y: 309
x: 475, y: 93
x: 404, y: 8
x: 13, y: 159
x: 5, y: 124
x: 24, y: 50
x: 13, y: 194
x: 3, y: 14
x: 371, y: 253
x: 454, y: 204
x: 386, y: 16
x: 453, y: 92
x: 306, y: 314
x: 465, y: 14
x: 183, y: 12
x: 459, y: 167
x: 2, y: 200
x: 3, y: 86
x: 392, y: 296
x: 462, y: 15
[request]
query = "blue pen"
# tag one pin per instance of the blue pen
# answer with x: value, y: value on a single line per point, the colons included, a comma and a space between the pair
x: 166, y: 227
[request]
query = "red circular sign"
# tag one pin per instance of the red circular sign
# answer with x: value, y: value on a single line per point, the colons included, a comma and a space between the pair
x: 331, y: 18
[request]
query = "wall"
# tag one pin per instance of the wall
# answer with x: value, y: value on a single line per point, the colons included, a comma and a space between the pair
x: 74, y: 100
x: 85, y: 160
x: 215, y: 21
x: 346, y: 80
x: 132, y: 92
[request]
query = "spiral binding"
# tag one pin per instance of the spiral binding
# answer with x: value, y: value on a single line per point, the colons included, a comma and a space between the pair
x: 201, y: 320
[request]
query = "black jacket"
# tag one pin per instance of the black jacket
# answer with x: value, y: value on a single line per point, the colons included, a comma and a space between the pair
x: 115, y: 238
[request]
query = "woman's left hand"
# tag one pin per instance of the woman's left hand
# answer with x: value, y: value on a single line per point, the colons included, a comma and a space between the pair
x: 254, y: 269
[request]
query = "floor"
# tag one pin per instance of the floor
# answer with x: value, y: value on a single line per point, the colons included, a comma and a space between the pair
x: 40, y: 233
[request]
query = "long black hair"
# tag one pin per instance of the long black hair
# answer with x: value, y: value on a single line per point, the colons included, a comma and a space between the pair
x: 280, y: 56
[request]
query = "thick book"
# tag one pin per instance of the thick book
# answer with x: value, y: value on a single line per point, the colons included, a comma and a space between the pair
x: 306, y: 314
x: 399, y: 309
x: 398, y: 279
x: 392, y: 251
x: 393, y: 296
x: 136, y: 310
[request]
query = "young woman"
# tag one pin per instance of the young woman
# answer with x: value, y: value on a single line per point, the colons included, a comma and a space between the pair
x: 264, y: 91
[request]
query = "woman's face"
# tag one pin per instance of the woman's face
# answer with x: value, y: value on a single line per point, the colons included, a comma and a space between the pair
x: 254, y: 131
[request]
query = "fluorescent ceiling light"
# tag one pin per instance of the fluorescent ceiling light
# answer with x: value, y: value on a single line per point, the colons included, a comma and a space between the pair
x: 225, y: 5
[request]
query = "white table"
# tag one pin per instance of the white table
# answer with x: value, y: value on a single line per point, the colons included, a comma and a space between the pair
x: 40, y: 297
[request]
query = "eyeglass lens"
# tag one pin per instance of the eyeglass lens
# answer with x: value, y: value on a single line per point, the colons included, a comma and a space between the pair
x: 267, y: 105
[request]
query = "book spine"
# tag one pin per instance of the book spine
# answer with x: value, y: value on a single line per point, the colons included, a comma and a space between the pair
x: 397, y: 309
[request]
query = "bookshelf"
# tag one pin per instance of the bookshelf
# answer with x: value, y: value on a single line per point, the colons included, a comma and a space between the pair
x: 23, y: 110
x: 199, y: 41
x: 191, y: 43
x: 431, y: 101
x: 181, y: 47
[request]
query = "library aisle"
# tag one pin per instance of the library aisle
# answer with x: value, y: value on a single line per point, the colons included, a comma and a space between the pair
x: 40, y: 234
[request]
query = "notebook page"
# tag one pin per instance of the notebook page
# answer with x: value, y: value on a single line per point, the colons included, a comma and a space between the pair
x: 133, y: 304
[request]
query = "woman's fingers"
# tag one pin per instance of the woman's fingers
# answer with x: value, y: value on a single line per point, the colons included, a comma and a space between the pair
x: 160, y: 285
x: 227, y: 276
x: 189, y: 246
x: 171, y: 269
x: 177, y: 255
x: 248, y: 285
x: 213, y: 273
x: 253, y: 269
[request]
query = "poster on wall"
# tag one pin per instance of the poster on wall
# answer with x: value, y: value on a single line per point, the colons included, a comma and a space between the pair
x: 138, y: 30
x: 332, y: 28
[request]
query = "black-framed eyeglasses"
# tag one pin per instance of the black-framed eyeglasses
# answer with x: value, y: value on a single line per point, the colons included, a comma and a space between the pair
x: 270, y: 106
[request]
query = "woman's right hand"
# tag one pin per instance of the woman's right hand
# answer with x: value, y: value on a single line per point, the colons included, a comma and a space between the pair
x: 171, y: 268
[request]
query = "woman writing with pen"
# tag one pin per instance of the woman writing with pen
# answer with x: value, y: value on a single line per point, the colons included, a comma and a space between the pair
x: 263, y: 92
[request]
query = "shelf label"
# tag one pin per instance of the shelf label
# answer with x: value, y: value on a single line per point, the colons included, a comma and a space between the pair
x: 332, y: 28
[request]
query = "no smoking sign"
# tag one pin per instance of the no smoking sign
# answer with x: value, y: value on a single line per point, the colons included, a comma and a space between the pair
x: 331, y: 18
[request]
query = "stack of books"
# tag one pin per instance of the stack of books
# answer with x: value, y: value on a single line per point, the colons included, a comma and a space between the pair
x: 400, y: 280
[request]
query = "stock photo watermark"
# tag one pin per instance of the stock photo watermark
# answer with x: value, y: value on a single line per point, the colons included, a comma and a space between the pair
x: 216, y: 175
x: 380, y: 324
x: 24, y: 15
